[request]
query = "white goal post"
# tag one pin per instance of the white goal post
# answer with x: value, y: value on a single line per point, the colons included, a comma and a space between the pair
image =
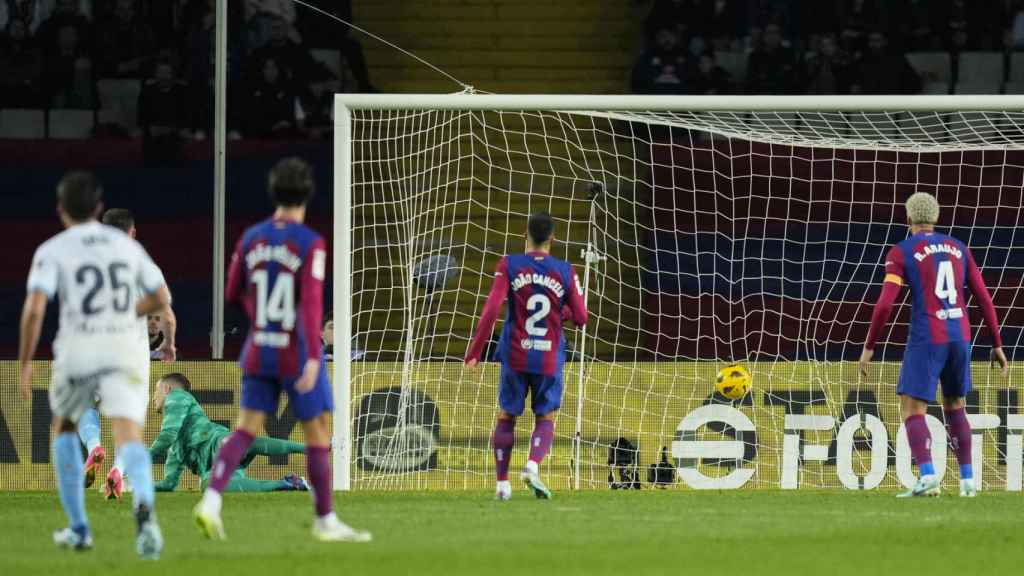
x: 744, y: 228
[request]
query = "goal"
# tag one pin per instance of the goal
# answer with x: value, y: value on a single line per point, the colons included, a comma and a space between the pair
x: 706, y: 230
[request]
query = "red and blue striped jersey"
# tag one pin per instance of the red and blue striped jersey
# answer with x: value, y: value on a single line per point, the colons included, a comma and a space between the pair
x: 277, y: 274
x: 542, y: 291
x: 937, y: 268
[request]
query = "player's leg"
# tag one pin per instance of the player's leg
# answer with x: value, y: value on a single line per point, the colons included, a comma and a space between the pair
x: 546, y: 396
x: 313, y: 409
x: 512, y: 402
x: 231, y: 452
x: 956, y: 384
x: 242, y: 483
x: 89, y: 434
x: 67, y: 463
x: 139, y: 466
x: 266, y: 446
x: 68, y: 400
x: 916, y: 389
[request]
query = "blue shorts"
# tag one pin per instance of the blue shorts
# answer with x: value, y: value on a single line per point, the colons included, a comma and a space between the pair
x: 545, y: 391
x: 924, y: 365
x: 263, y: 393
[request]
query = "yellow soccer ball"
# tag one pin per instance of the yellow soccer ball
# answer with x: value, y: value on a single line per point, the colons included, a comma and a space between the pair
x: 733, y: 381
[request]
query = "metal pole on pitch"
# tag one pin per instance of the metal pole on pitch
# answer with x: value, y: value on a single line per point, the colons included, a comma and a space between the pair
x: 590, y: 250
x: 219, y: 145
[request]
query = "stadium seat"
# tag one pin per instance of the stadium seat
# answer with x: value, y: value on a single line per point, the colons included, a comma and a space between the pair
x: 932, y: 66
x: 121, y: 95
x: 980, y: 73
x: 21, y: 123
x: 329, y: 58
x: 71, y: 124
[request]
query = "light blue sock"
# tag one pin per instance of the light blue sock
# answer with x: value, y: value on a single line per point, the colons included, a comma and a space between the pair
x: 67, y: 462
x: 89, y: 429
x: 927, y: 469
x: 139, y: 467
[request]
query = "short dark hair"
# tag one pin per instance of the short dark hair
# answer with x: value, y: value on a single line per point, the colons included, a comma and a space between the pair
x: 291, y: 182
x: 120, y: 218
x: 79, y: 195
x: 178, y: 380
x: 540, y: 227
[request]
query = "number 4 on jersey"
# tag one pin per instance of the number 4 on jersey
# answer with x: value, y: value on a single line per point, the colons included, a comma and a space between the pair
x: 279, y: 304
x: 945, y: 285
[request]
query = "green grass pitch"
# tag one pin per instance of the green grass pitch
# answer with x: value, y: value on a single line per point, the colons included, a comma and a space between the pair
x: 452, y: 533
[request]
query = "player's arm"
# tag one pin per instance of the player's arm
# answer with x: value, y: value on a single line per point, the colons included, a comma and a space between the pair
x: 235, y: 286
x: 891, y: 286
x: 499, y: 290
x: 577, y: 306
x: 41, y: 286
x: 988, y: 310
x: 311, y: 311
x: 170, y: 427
x: 172, y: 473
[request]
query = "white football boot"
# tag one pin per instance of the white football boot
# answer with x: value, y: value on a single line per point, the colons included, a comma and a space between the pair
x: 926, y: 486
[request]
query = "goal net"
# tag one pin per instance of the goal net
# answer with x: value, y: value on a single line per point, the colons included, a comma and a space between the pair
x: 709, y: 231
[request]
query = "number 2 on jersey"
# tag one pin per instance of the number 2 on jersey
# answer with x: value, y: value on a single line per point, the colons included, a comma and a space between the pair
x: 945, y: 285
x: 279, y: 304
x: 542, y: 304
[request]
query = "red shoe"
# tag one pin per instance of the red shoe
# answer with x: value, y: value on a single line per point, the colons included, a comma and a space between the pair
x: 92, y: 464
x: 115, y: 484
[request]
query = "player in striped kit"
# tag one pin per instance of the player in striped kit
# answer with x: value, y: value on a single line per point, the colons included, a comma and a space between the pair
x: 277, y: 274
x: 542, y: 291
x: 935, y: 266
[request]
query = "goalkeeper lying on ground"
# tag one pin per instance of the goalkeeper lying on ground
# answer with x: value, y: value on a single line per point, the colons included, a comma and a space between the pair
x: 191, y: 441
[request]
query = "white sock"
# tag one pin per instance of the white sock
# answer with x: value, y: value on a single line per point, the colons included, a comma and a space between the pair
x: 531, y: 467
x: 504, y: 486
x: 327, y: 520
x: 211, y: 501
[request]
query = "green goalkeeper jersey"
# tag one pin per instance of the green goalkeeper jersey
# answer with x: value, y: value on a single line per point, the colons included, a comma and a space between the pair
x: 188, y: 437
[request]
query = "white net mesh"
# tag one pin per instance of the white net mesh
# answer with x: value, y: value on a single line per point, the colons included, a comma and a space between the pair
x: 724, y: 236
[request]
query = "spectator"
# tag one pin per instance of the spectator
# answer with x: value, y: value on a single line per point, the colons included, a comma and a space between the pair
x: 882, y: 71
x: 674, y: 15
x: 68, y: 80
x: 662, y: 68
x: 827, y: 70
x: 772, y: 68
x: 163, y: 114
x: 19, y: 68
x: 260, y: 17
x: 320, y: 32
x: 34, y: 12
x: 913, y: 22
x: 857, y: 18
x: 295, y: 66
x: 64, y: 14
x: 709, y: 77
x: 722, y: 21
x: 270, y: 107
x: 126, y: 43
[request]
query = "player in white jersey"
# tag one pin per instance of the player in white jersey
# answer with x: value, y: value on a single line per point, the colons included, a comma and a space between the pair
x: 89, y: 423
x: 106, y: 285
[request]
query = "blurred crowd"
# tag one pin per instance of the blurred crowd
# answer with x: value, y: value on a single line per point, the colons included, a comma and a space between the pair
x: 819, y: 47
x: 56, y: 54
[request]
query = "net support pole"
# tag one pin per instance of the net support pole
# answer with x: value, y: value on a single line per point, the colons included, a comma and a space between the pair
x: 589, y: 255
x: 342, y: 304
x: 219, y: 145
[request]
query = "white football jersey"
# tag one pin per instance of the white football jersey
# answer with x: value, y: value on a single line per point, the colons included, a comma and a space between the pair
x: 98, y: 273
